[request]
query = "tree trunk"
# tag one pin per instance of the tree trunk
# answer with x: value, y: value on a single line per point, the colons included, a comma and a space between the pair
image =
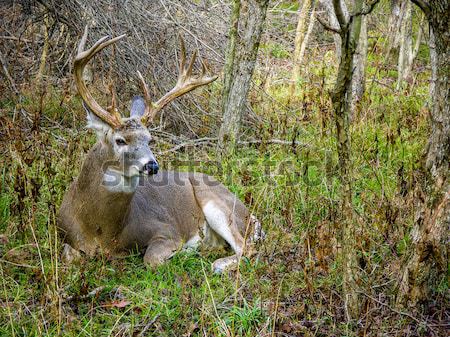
x: 312, y: 19
x: 341, y: 98
x: 405, y: 51
x: 304, y: 25
x: 433, y: 62
x: 395, y: 21
x: 248, y: 18
x: 359, y: 72
x: 426, y: 266
x: 231, y: 51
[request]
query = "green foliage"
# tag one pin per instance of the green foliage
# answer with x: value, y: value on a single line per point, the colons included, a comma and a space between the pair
x: 276, y: 50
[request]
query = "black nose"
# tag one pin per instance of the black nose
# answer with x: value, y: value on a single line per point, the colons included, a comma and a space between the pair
x: 151, y: 167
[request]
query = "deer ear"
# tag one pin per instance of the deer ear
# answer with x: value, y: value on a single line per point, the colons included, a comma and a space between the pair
x: 93, y: 122
x: 137, y: 107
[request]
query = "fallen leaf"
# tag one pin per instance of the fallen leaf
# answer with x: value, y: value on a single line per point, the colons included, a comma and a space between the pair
x: 118, y: 304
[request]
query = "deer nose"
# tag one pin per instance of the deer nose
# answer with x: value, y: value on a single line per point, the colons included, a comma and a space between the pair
x: 151, y: 167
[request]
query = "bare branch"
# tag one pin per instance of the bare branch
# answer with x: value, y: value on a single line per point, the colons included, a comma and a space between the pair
x: 327, y: 26
x: 340, y: 14
x: 7, y: 74
x: 367, y: 8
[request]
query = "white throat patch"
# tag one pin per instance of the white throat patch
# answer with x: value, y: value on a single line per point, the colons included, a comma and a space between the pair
x: 115, y: 181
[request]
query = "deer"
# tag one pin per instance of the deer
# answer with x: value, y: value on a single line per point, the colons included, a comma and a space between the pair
x: 121, y: 201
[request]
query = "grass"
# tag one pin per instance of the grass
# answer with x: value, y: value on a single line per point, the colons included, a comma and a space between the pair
x: 292, y: 287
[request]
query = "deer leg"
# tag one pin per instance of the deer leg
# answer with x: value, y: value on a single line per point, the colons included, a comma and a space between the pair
x: 223, y: 226
x: 159, y: 251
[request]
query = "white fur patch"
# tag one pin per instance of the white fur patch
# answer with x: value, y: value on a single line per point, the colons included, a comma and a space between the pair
x: 220, y: 223
x: 193, y: 242
x: 115, y: 181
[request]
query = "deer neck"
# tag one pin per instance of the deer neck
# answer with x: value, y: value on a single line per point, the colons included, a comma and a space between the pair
x: 105, y: 194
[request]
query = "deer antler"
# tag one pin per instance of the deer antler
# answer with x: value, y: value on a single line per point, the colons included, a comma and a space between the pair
x: 185, y: 83
x: 80, y: 62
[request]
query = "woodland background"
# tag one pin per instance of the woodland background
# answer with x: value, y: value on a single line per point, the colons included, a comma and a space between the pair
x: 339, y: 175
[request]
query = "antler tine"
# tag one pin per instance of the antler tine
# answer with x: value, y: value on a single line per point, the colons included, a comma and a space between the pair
x: 204, y: 68
x: 113, y: 107
x: 188, y: 71
x: 83, y: 40
x: 185, y: 83
x: 147, y: 98
x: 183, y: 53
x: 81, y: 59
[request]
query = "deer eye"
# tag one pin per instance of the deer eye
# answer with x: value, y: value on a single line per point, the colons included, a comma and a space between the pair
x: 121, y: 141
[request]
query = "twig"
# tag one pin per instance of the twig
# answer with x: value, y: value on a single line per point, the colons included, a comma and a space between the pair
x: 92, y: 293
x: 7, y: 75
x: 272, y: 141
x: 14, y: 38
x: 18, y: 264
x: 209, y: 140
x: 392, y: 309
x: 194, y: 142
x: 149, y: 324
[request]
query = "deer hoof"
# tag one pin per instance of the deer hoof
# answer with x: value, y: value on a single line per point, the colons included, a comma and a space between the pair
x: 224, y: 264
x: 69, y: 254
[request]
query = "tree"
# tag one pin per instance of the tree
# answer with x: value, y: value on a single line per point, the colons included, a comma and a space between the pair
x: 349, y: 31
x: 359, y: 72
x: 407, y: 53
x: 360, y: 56
x: 246, y: 28
x: 427, y: 263
x: 400, y: 39
x: 305, y: 25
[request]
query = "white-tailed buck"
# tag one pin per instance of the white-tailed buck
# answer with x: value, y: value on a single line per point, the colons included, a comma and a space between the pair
x: 122, y: 201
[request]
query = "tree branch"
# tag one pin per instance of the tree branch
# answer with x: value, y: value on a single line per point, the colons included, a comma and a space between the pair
x: 367, y: 8
x: 327, y: 26
x: 340, y: 14
x: 423, y: 5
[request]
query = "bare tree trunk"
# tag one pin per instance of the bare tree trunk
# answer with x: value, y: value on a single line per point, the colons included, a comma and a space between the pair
x: 231, y: 52
x: 359, y: 72
x: 433, y: 62
x: 248, y: 17
x: 405, y: 50
x: 407, y: 54
x: 308, y: 34
x: 394, y: 25
x: 349, y: 31
x: 427, y: 264
x: 414, y: 52
x: 304, y: 25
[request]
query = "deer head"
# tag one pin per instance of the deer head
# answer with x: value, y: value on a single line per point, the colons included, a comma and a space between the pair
x: 126, y: 140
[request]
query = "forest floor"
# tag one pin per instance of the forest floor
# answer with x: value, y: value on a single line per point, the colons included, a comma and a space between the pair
x: 292, y: 287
